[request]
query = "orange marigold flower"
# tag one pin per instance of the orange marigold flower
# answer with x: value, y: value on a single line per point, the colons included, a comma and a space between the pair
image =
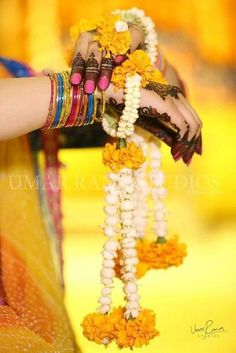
x: 137, y: 63
x: 162, y: 255
x: 133, y: 332
x: 109, y: 39
x: 130, y: 156
x: 98, y: 328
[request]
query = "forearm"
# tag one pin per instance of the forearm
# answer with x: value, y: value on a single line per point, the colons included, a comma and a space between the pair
x: 24, y: 105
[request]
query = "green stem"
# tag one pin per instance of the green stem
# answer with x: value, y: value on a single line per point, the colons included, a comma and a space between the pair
x: 121, y: 143
x: 161, y: 240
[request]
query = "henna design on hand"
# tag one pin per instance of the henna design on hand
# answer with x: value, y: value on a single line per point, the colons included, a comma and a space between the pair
x: 78, y: 63
x: 164, y: 90
x: 164, y: 117
x: 78, y: 68
x: 92, y: 65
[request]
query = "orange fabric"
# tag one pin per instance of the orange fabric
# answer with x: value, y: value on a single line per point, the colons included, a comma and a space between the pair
x: 34, y: 318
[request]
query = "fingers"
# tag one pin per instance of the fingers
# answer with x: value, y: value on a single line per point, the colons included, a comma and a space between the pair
x: 199, y: 145
x: 106, y: 69
x: 78, y: 65
x: 92, y: 66
x: 196, y: 145
x: 153, y: 126
x: 137, y: 38
x: 173, y: 112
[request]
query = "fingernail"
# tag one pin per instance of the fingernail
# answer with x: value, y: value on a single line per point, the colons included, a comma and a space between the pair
x: 103, y: 83
x: 178, y: 149
x: 199, y: 147
x: 75, y: 78
x: 190, y: 159
x: 177, y: 156
x: 119, y: 59
x: 89, y: 86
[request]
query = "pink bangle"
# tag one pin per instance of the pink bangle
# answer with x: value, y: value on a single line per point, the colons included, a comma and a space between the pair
x: 73, y: 107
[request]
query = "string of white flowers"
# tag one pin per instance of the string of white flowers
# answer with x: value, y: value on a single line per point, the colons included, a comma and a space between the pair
x: 130, y: 113
x: 128, y: 242
x: 157, y: 189
x: 142, y: 189
x: 111, y: 245
x: 137, y: 17
x: 125, y: 180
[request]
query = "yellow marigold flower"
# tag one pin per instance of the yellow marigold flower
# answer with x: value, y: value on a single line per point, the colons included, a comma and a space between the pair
x: 133, y: 332
x: 130, y: 156
x: 137, y: 63
x: 110, y: 40
x: 141, y: 267
x: 162, y: 255
x: 98, y: 328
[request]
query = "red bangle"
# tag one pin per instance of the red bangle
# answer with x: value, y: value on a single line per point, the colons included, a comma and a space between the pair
x: 73, y: 107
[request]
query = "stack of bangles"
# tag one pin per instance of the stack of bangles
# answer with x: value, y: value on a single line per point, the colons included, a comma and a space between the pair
x: 70, y: 105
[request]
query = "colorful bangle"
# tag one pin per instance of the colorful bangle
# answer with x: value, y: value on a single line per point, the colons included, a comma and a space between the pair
x: 73, y: 106
x: 69, y: 105
x: 60, y: 98
x: 66, y: 100
x: 85, y: 108
x: 90, y: 109
x: 51, y: 104
x: 80, y: 104
x: 95, y: 108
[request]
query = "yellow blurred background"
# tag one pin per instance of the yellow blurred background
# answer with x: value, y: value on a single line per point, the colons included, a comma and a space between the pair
x: 198, y: 37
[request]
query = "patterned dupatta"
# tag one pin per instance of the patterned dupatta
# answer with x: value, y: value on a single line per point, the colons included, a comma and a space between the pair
x: 32, y: 313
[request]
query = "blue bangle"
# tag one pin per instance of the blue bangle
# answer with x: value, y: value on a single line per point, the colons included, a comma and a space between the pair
x: 90, y: 109
x: 60, y: 100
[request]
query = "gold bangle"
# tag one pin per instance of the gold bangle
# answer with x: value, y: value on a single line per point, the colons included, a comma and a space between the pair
x: 84, y: 110
x: 103, y: 104
x: 95, y: 108
x: 55, y: 100
x: 66, y: 99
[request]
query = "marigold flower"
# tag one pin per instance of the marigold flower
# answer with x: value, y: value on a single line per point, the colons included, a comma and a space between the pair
x: 138, y: 62
x: 98, y: 328
x: 130, y: 156
x: 162, y: 255
x: 133, y: 332
x: 110, y: 40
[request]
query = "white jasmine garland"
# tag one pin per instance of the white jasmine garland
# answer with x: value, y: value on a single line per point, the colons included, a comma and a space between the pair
x: 137, y: 17
x: 128, y: 244
x: 132, y: 103
x: 142, y: 188
x: 111, y: 245
x: 158, y: 190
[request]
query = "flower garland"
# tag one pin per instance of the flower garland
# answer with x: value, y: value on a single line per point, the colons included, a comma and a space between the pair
x: 110, y: 31
x: 134, y: 73
x: 138, y: 17
x: 161, y: 253
x: 131, y: 325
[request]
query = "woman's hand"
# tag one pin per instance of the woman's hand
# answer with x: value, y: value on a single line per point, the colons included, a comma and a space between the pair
x: 167, y: 114
x: 90, y: 64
